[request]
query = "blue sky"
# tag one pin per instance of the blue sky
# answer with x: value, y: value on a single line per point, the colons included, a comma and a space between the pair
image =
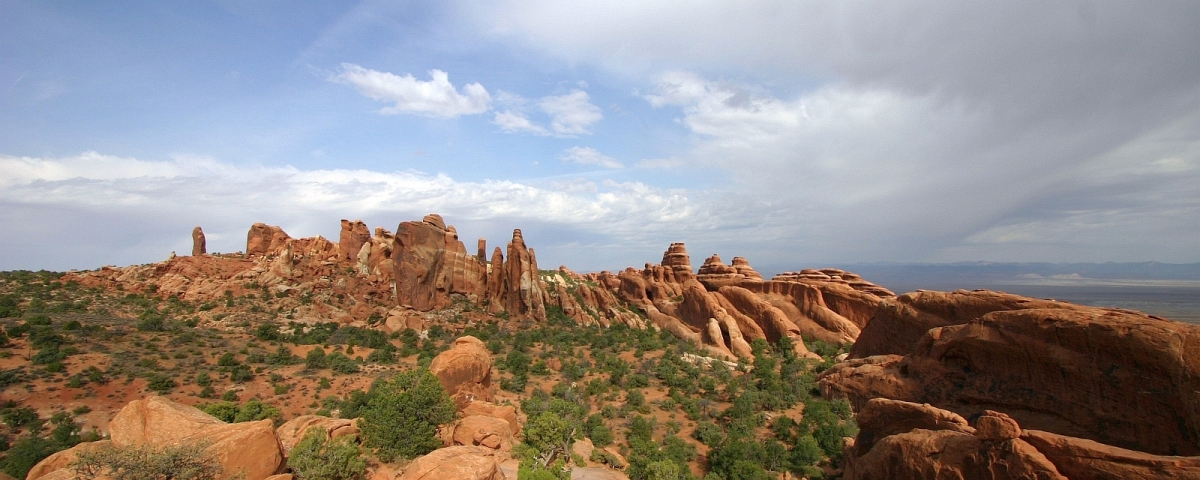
x: 793, y: 133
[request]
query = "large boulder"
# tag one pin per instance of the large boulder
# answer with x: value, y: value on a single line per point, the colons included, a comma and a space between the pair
x: 484, y: 431
x: 250, y: 449
x: 292, y: 432
x: 465, y: 371
x: 508, y: 413
x: 157, y: 421
x: 460, y: 463
x: 62, y: 459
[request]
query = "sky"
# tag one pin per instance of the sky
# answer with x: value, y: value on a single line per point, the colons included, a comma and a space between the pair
x: 794, y: 133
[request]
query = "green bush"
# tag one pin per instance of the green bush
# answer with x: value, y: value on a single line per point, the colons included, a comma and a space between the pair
x: 182, y: 462
x: 230, y: 412
x: 317, y: 457
x: 402, y: 414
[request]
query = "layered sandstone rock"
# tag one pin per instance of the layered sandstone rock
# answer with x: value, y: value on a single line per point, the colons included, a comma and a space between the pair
x: 263, y: 239
x: 351, y: 240
x: 676, y: 258
x: 199, y: 245
x: 460, y: 462
x: 725, y: 307
x: 465, y: 371
x: 896, y: 327
x: 524, y: 296
x: 430, y: 264
x: 1118, y: 377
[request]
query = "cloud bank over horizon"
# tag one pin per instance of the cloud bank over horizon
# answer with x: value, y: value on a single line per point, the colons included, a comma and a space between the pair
x: 796, y: 134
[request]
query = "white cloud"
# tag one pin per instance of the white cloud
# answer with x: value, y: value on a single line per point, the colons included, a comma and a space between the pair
x: 570, y: 114
x: 514, y: 122
x: 588, y: 156
x: 133, y: 211
x: 436, y: 97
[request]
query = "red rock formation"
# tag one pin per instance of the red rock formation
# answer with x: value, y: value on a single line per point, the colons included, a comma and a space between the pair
x: 904, y: 440
x: 907, y: 440
x: 897, y: 325
x: 430, y: 264
x: 351, y: 240
x: 263, y: 239
x: 1119, y: 377
x: 465, y: 371
x: 524, y: 295
x: 461, y: 462
x: 497, y: 287
x: 481, y: 254
x: 199, y: 246
x: 677, y: 260
x: 1079, y: 458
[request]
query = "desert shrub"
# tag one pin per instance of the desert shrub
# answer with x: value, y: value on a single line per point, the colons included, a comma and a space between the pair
x: 317, y: 457
x: 223, y: 411
x: 8, y: 306
x: 385, y: 355
x: 402, y: 414
x: 18, y: 417
x: 283, y: 356
x: 316, y: 359
x: 203, y: 379
x: 180, y: 462
x: 227, y: 360
x: 340, y: 363
x: 23, y: 454
x: 230, y: 412
x: 161, y: 383
x: 241, y: 374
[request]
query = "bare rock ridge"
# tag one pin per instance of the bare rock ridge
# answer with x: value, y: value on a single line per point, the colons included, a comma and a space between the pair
x: 198, y: 243
x: 900, y: 439
x: 971, y: 384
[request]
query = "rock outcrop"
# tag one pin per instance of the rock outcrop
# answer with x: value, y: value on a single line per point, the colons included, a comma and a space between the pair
x: 199, y: 245
x: 351, y: 240
x: 524, y: 296
x: 1119, y: 377
x: 725, y: 307
x: 263, y: 239
x: 465, y: 371
x: 906, y: 440
x: 460, y: 462
x: 247, y: 450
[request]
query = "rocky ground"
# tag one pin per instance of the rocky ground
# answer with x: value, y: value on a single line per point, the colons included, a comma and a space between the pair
x: 659, y: 372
